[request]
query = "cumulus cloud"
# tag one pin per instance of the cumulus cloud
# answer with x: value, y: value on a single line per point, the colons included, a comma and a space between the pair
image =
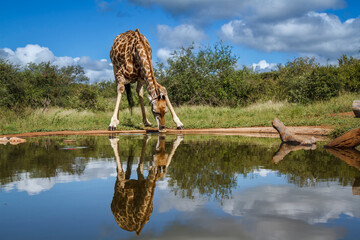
x: 179, y: 36
x: 95, y: 70
x: 263, y: 66
x: 314, y: 33
x: 208, y: 11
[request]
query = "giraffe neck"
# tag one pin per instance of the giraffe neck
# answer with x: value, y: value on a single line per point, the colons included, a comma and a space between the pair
x: 145, y: 59
x: 152, y: 88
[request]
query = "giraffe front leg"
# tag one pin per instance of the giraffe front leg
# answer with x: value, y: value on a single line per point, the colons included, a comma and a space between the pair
x: 176, y: 120
x: 140, y: 92
x: 115, y: 118
x: 115, y: 146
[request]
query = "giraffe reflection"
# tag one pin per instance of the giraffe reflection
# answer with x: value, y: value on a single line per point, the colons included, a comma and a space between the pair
x: 132, y: 203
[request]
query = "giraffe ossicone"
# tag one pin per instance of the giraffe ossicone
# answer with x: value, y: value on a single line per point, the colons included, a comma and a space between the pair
x: 131, y: 58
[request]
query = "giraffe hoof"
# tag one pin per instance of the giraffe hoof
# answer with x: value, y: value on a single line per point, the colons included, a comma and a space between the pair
x: 111, y: 128
x: 180, y: 127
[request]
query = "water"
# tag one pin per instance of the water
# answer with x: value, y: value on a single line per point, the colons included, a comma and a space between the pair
x: 175, y: 187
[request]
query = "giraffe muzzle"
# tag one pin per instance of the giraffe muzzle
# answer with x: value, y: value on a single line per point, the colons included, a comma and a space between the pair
x: 162, y: 129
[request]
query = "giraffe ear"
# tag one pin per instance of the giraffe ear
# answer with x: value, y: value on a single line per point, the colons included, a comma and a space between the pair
x: 161, y: 96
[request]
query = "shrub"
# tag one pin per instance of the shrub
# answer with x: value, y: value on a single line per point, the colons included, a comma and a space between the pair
x: 349, y: 73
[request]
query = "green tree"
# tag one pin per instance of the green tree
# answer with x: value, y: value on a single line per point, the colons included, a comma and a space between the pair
x: 199, y: 76
x: 349, y: 73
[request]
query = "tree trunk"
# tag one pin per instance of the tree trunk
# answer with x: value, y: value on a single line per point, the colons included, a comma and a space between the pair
x: 288, y: 137
x: 350, y: 139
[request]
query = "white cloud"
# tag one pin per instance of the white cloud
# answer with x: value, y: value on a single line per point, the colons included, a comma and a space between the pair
x: 29, y: 53
x: 263, y: 66
x: 179, y: 36
x: 314, y: 33
x: 163, y: 54
x: 182, y: 35
x: 205, y: 11
x: 95, y: 70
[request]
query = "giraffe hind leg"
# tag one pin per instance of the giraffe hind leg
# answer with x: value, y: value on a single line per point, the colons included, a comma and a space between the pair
x: 140, y: 92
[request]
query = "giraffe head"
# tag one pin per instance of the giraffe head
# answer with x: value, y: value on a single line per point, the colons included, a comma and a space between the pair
x: 158, y: 109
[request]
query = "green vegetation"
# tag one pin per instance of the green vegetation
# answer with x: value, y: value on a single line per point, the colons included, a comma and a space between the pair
x: 209, y: 77
x: 259, y: 114
x: 203, y: 83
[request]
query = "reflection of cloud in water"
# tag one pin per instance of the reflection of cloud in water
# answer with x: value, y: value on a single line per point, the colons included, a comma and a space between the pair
x: 94, y: 169
x: 172, y: 201
x: 313, y: 205
x: 206, y: 225
x: 263, y: 172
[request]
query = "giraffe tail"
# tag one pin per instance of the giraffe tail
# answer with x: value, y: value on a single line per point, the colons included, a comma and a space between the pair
x: 129, y: 96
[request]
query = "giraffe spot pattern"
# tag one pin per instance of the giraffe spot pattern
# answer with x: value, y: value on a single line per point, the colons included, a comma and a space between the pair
x: 131, y: 57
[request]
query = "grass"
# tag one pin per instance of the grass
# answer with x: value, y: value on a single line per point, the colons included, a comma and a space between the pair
x: 259, y: 114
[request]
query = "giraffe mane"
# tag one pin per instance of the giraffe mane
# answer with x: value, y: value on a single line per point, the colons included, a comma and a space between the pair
x: 148, y: 58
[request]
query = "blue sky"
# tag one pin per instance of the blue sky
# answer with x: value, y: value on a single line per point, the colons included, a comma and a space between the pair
x: 263, y: 33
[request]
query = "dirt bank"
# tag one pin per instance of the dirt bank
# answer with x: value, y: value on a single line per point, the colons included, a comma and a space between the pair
x: 319, y: 132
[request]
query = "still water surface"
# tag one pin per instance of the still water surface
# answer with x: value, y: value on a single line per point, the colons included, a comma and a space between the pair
x: 175, y: 187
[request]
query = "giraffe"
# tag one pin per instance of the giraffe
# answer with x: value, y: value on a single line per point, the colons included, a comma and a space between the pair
x: 132, y: 202
x: 131, y: 58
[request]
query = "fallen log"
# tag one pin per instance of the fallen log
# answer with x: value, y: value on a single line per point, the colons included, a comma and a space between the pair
x: 356, y: 108
x: 350, y: 139
x: 288, y: 137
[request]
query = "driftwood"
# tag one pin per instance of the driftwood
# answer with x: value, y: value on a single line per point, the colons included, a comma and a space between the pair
x: 356, y: 108
x: 285, y: 149
x: 288, y: 137
x: 350, y: 139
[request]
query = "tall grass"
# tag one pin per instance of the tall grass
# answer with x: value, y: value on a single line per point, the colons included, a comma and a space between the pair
x: 259, y: 114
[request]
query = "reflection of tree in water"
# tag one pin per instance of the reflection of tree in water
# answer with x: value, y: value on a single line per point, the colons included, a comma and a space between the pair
x: 132, y: 203
x: 44, y: 158
x: 306, y: 168
x: 211, y: 167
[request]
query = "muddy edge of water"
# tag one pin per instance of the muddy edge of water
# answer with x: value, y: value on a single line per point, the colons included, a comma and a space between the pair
x: 319, y: 132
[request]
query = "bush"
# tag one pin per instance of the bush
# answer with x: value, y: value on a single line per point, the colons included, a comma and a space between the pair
x: 205, y: 76
x: 349, y: 73
x: 322, y: 84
